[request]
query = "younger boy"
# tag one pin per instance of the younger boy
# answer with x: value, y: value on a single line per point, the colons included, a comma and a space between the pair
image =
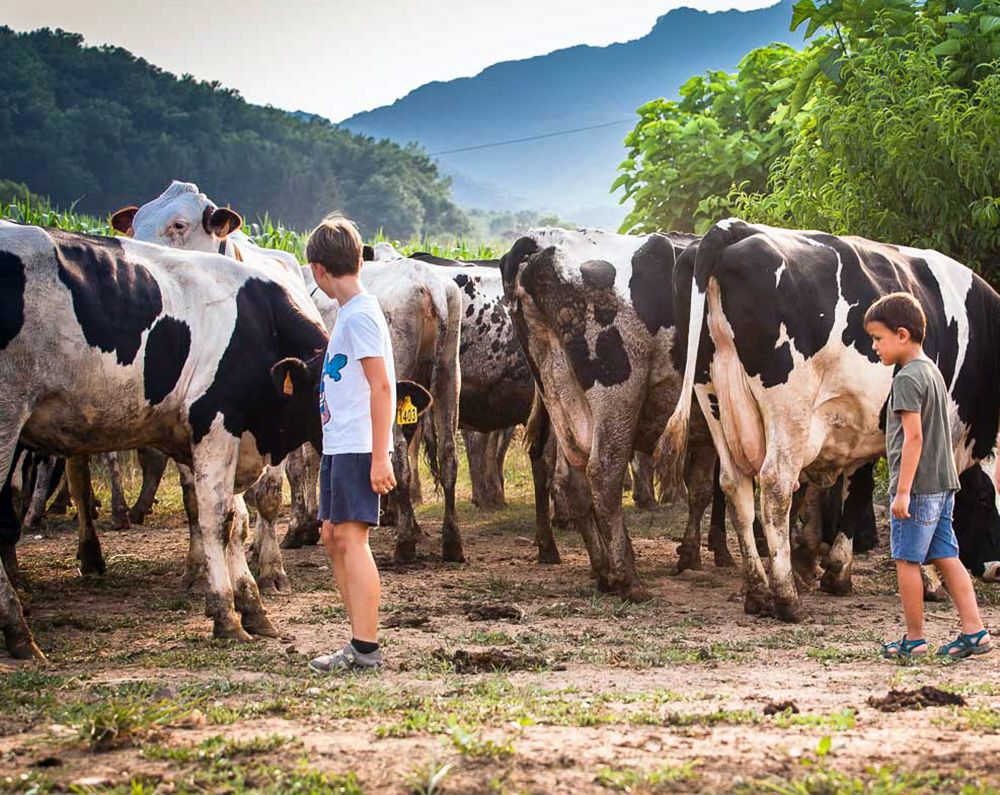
x: 356, y: 401
x: 923, y: 480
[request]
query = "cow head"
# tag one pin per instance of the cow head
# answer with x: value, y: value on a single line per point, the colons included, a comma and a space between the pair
x: 297, y: 384
x: 180, y: 217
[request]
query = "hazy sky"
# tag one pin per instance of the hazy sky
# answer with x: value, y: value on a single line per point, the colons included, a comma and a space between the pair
x: 338, y: 58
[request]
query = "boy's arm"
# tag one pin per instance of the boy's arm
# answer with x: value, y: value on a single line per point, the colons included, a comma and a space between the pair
x: 913, y: 443
x: 383, y: 480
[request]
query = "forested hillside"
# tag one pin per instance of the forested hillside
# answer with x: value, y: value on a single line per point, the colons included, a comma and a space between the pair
x: 102, y: 128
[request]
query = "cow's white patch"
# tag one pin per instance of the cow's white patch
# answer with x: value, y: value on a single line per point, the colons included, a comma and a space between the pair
x: 778, y: 273
x: 726, y: 223
x: 954, y: 281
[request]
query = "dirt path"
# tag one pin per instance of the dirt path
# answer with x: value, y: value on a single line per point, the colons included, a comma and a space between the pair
x: 672, y: 695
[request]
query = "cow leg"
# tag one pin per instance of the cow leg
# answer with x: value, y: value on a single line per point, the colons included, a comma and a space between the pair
x: 778, y: 478
x: 542, y: 453
x: 302, y: 468
x: 643, y: 494
x: 61, y: 502
x: 934, y: 590
x: 194, y: 565
x: 153, y: 464
x: 806, y: 536
x: 700, y: 481
x: 264, y: 550
x: 246, y: 593
x: 717, y: 525
x: 215, y: 458
x: 10, y: 533
x: 738, y: 489
x: 580, y: 514
x: 475, y: 451
x: 119, y: 508
x: 609, y: 457
x: 16, y: 634
x: 89, y: 548
x: 416, y: 489
x: 408, y: 531
x: 446, y: 430
x: 502, y: 440
x: 45, y: 468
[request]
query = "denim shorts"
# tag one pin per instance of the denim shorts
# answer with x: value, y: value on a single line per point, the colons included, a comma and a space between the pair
x: 927, y: 534
x: 345, y: 489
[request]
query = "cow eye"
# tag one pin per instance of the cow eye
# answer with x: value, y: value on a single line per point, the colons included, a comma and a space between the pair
x: 178, y: 226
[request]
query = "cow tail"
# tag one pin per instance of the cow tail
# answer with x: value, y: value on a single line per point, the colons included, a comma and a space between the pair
x: 670, y: 454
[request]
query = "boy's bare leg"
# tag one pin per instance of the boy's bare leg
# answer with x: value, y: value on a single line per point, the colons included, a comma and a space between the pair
x: 911, y: 593
x: 959, y: 585
x: 356, y: 574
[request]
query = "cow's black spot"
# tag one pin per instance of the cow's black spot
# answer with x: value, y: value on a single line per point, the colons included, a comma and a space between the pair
x: 495, y: 346
x: 605, y: 315
x: 167, y: 349
x: 976, y: 521
x: 510, y: 262
x: 608, y: 366
x: 651, y: 285
x: 12, y: 284
x: 852, y: 515
x: 682, y: 280
x: 598, y: 273
x: 115, y: 300
x: 761, y: 308
x: 469, y: 310
x: 269, y: 327
x: 713, y: 404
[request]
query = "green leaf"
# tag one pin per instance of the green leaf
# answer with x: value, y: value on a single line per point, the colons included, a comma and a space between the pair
x: 947, y: 47
x: 988, y: 23
x: 801, y: 11
x: 823, y: 748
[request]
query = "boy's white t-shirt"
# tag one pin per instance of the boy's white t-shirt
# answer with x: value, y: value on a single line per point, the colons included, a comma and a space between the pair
x: 359, y: 332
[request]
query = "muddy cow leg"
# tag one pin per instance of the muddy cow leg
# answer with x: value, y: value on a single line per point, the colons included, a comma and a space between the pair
x: 475, y: 452
x: 214, y: 469
x: 89, y: 547
x: 265, y: 551
x: 542, y: 453
x: 194, y: 565
x: 408, y: 531
x: 717, y: 525
x: 698, y: 477
x: 643, y: 495
x: 119, y: 508
x: 16, y: 634
x: 302, y: 468
x: 416, y: 489
x: 445, y: 415
x: 45, y: 469
x: 580, y: 514
x: 10, y: 534
x: 778, y: 477
x: 806, y: 528
x: 153, y: 464
x: 501, y: 444
x: 61, y: 502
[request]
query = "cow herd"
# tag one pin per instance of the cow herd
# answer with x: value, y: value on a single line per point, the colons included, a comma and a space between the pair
x: 184, y: 340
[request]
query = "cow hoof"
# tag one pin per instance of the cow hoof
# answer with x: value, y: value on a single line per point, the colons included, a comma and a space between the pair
x: 91, y: 560
x: 232, y: 631
x: 120, y: 522
x: 137, y: 516
x: 723, y: 559
x: 194, y: 580
x: 836, y: 586
x: 301, y: 535
x: 259, y: 624
x: 549, y: 555
x: 754, y: 605
x: 789, y: 610
x: 23, y: 647
x: 635, y: 592
x: 688, y: 558
x: 453, y: 553
x: 405, y: 552
x: 938, y: 594
x: 274, y: 583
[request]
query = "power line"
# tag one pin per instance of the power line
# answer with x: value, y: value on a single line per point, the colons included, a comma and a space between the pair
x: 532, y: 137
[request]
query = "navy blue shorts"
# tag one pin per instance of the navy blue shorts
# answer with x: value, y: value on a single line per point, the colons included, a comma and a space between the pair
x: 345, y: 489
x: 927, y: 535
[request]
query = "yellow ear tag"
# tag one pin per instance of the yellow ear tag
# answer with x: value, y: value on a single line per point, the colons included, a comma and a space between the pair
x: 406, y: 412
x: 287, y: 387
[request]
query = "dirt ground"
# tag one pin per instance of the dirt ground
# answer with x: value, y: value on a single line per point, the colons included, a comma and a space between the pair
x: 502, y: 676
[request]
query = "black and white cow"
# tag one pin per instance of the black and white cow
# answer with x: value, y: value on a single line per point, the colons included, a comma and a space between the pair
x: 780, y: 363
x: 498, y: 389
x: 109, y: 344
x: 594, y: 314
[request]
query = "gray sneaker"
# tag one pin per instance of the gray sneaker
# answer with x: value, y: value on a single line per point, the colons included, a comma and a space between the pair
x: 347, y: 659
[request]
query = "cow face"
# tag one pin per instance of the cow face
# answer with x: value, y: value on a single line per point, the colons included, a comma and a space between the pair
x: 180, y: 217
x: 297, y: 383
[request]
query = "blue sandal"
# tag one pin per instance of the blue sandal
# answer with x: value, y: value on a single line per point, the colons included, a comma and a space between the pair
x: 966, y: 645
x: 903, y: 649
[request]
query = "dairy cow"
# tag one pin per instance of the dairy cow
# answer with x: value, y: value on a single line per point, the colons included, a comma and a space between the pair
x: 594, y: 314
x: 781, y: 366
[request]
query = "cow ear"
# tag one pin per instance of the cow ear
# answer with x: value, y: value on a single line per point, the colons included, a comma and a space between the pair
x: 290, y: 377
x: 220, y: 221
x: 419, y: 397
x: 121, y: 220
x: 367, y: 253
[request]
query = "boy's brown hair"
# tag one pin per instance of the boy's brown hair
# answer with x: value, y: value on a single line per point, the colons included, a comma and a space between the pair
x: 899, y: 310
x: 336, y: 245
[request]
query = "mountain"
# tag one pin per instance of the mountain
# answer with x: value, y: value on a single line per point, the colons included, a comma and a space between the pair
x: 567, y: 89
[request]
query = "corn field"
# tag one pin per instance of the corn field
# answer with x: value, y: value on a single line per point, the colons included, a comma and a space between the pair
x: 265, y: 232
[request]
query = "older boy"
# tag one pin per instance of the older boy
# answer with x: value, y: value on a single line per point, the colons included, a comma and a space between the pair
x: 923, y: 479
x: 357, y: 397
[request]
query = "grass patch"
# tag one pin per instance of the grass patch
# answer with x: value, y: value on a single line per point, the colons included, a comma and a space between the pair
x: 659, y: 779
x: 473, y: 746
x: 844, y: 720
x: 874, y: 781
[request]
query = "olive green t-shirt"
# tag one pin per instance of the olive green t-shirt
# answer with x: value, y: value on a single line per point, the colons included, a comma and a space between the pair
x: 919, y: 386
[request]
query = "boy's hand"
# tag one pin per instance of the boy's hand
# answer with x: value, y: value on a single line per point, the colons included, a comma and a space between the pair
x: 901, y: 505
x: 383, y: 479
